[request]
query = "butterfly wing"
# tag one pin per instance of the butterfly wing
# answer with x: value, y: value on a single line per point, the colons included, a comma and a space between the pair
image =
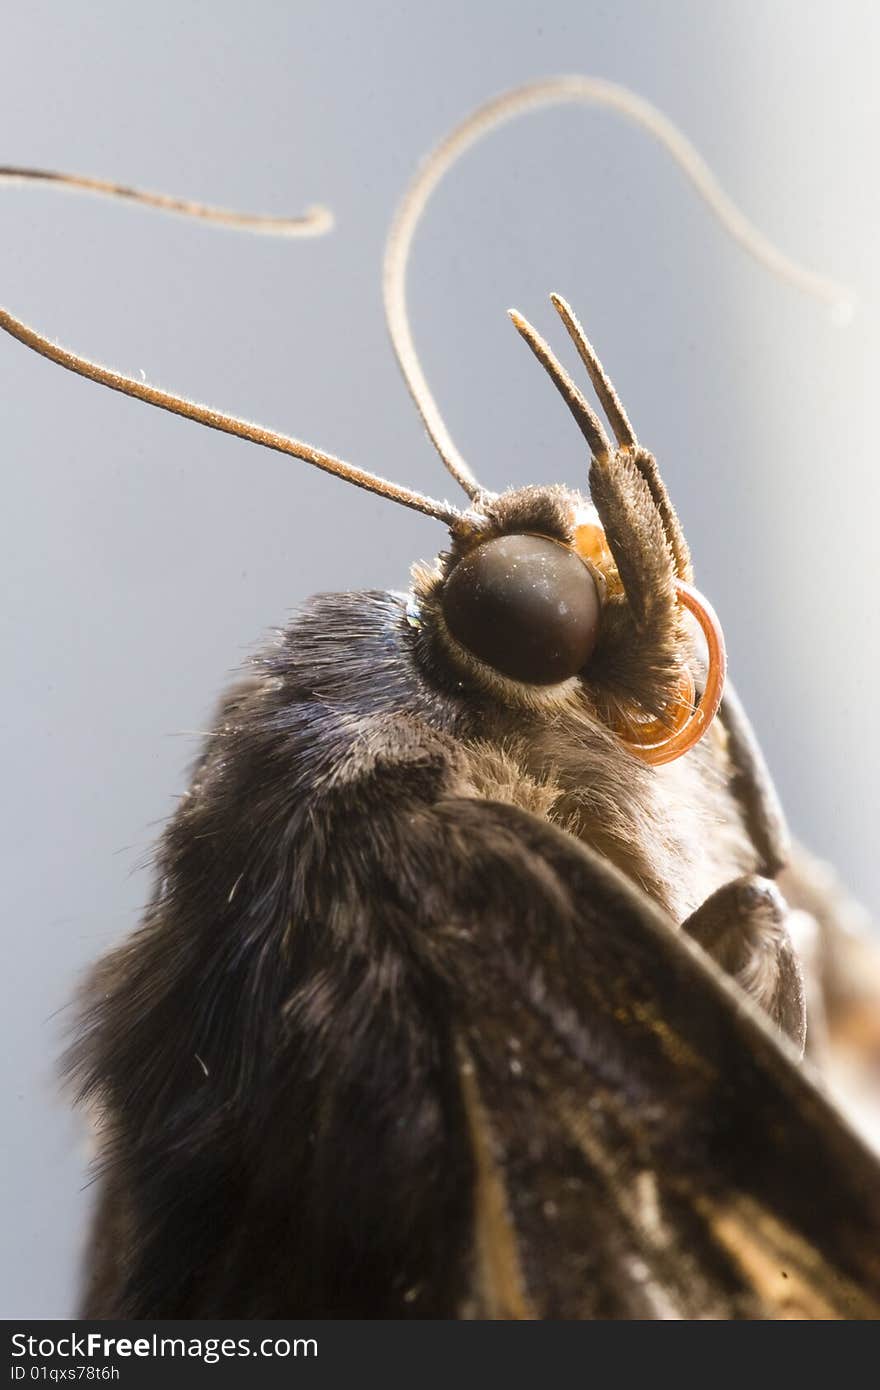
x: 645, y: 1144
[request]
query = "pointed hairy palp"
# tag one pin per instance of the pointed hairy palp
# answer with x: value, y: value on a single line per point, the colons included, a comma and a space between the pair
x: 586, y: 419
x: 614, y: 411
x: 647, y: 466
x: 626, y: 437
x: 636, y: 536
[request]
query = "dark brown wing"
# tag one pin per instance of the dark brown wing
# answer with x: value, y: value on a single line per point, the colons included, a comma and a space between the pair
x: 645, y: 1144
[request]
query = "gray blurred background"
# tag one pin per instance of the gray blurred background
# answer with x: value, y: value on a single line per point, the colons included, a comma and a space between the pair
x: 144, y: 557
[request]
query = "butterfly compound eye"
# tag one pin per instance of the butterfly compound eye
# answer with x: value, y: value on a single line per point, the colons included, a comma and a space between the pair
x: 526, y: 605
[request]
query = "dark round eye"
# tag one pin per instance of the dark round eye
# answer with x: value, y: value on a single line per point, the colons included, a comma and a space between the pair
x: 526, y: 605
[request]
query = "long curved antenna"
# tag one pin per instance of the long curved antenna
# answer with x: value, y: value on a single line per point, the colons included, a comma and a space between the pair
x: 586, y: 419
x: 554, y: 91
x: 313, y: 222
x: 228, y: 424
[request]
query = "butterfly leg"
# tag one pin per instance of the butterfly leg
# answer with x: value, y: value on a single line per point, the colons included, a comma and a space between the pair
x: 743, y: 927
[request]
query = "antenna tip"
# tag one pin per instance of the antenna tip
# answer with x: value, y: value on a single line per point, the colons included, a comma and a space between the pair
x: 319, y: 220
